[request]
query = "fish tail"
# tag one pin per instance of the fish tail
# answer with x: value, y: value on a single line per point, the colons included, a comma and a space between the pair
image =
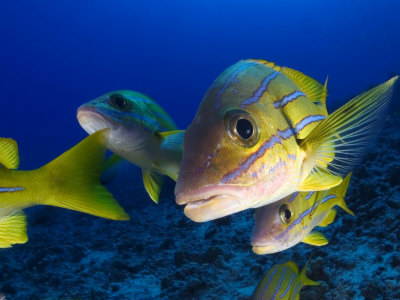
x: 303, y: 276
x: 338, y: 142
x: 74, y: 180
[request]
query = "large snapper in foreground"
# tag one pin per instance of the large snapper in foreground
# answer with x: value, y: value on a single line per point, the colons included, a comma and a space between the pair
x: 262, y: 133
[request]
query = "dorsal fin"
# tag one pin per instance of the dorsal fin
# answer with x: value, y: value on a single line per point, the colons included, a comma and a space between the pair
x: 314, y: 90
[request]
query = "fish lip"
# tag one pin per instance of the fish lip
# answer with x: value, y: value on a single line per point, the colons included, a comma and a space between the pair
x: 265, y: 249
x: 85, y: 111
x: 206, y: 194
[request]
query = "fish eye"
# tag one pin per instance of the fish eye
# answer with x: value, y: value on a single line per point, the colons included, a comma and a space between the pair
x: 118, y: 101
x: 285, y: 213
x: 241, y: 127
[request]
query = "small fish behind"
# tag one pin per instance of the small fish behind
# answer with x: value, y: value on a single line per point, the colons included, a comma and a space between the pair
x: 282, y: 282
x: 287, y: 222
x: 70, y: 181
x: 141, y: 133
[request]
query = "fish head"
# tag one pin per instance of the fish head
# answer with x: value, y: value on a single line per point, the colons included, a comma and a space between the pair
x: 276, y: 228
x: 131, y: 116
x: 234, y: 156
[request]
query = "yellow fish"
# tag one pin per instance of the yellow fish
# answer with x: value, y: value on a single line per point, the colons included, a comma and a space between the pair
x: 70, y: 181
x: 282, y: 282
x: 262, y: 133
x: 287, y: 222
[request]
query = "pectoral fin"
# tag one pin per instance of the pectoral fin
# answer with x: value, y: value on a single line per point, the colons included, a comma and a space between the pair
x: 329, y: 218
x: 152, y: 184
x: 319, y: 181
x: 13, y: 230
x: 315, y: 238
x: 9, y: 153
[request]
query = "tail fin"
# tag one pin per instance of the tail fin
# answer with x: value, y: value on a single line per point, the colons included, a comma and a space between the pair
x: 74, y: 179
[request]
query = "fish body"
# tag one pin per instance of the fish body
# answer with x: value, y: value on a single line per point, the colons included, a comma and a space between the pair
x: 287, y: 222
x: 262, y: 132
x: 70, y: 181
x: 283, y: 281
x: 141, y: 132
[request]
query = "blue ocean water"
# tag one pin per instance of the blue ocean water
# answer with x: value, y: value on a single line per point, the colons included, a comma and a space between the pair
x: 56, y: 55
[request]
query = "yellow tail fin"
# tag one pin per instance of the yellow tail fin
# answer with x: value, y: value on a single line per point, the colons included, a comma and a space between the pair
x: 13, y: 230
x: 74, y: 179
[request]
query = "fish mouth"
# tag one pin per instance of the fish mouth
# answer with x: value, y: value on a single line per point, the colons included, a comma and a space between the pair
x: 91, y: 120
x: 211, y: 203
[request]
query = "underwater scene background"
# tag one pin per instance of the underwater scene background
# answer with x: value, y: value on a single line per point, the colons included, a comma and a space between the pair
x: 56, y: 55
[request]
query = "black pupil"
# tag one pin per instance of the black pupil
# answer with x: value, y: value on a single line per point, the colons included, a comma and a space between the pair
x: 288, y: 214
x: 118, y: 101
x: 244, y: 128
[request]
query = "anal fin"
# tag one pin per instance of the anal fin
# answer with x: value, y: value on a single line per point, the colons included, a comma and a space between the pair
x: 13, y: 230
x: 9, y: 153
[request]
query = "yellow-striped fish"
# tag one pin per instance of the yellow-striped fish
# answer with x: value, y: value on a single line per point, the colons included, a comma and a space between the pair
x: 287, y: 222
x: 141, y: 133
x: 70, y: 181
x: 262, y: 133
x: 282, y: 282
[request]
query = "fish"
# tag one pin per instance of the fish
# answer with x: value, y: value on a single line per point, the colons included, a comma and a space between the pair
x: 283, y: 281
x: 287, y: 222
x: 141, y: 133
x: 262, y: 132
x: 70, y: 181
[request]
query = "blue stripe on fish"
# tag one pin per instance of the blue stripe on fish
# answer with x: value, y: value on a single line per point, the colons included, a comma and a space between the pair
x: 252, y: 158
x: 279, y: 283
x: 297, y: 221
x: 327, y: 198
x: 291, y: 156
x: 293, y: 196
x: 288, y: 98
x: 260, y: 91
x: 268, y: 282
x: 229, y: 81
x: 307, y: 121
x: 309, y: 195
x: 11, y: 189
x: 290, y: 283
x: 279, y: 164
x: 296, y: 290
x: 286, y: 134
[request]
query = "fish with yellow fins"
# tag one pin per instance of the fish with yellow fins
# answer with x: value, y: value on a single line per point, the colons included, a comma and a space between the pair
x: 262, y: 132
x: 70, y: 181
x: 141, y: 132
x: 287, y: 222
x: 283, y: 281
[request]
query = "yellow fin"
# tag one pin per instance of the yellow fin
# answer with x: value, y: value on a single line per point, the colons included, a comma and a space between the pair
x: 9, y: 153
x: 340, y: 192
x: 348, y: 131
x: 13, y: 230
x: 314, y: 90
x: 74, y: 179
x: 292, y: 266
x: 152, y: 184
x: 315, y: 238
x: 318, y: 181
x: 303, y: 276
x: 172, y: 140
x: 329, y: 218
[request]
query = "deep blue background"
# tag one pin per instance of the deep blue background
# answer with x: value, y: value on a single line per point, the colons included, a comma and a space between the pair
x: 55, y: 55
